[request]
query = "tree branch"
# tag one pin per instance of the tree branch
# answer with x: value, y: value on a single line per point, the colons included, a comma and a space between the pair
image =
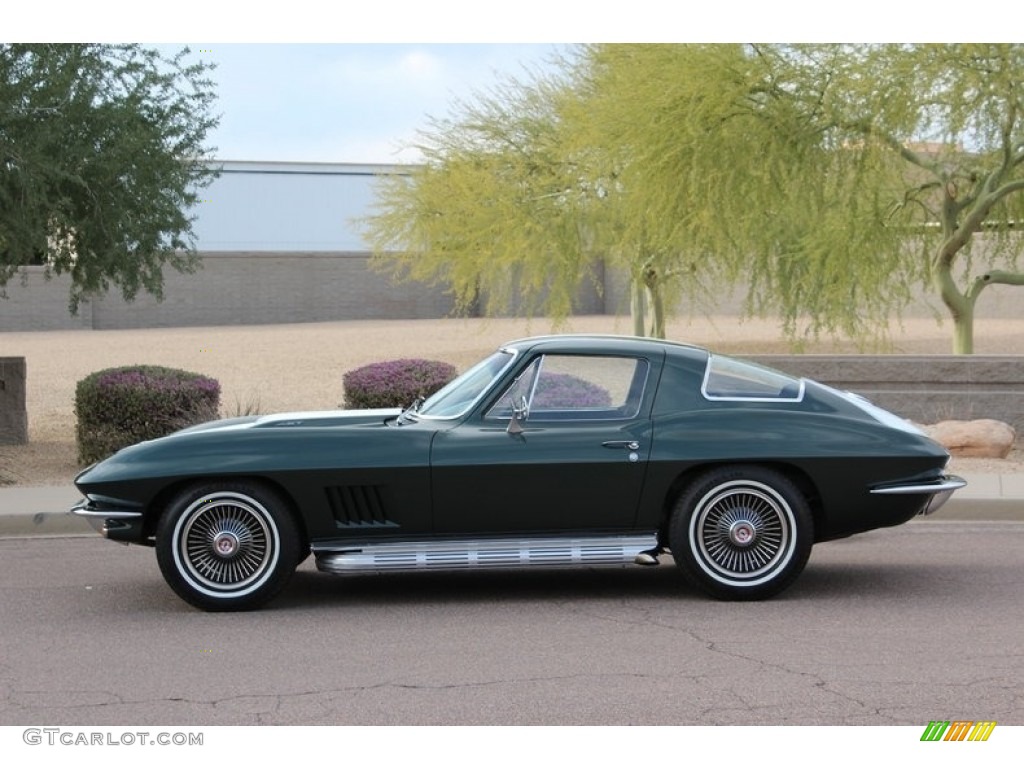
x: 1002, y: 277
x: 993, y: 277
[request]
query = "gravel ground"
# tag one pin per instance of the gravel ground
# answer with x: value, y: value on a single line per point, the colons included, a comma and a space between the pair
x: 299, y: 367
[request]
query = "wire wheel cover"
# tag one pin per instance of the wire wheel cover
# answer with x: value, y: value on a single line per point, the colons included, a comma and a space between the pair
x: 742, y: 531
x: 227, y: 541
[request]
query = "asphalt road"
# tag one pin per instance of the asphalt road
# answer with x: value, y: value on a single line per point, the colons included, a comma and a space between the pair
x: 901, y: 626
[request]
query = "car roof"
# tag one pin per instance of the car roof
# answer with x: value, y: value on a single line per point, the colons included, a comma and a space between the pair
x: 609, y: 343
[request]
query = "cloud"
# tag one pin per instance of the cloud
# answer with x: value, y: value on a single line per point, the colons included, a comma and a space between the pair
x: 421, y: 65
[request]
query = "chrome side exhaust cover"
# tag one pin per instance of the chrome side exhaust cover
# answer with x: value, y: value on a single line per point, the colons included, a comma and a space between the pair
x: 485, y: 553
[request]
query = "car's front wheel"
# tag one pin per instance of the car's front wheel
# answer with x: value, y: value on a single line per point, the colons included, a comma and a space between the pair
x: 227, y: 546
x: 741, y: 533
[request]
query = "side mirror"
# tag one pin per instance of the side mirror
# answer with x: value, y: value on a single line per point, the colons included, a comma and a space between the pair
x: 520, y: 413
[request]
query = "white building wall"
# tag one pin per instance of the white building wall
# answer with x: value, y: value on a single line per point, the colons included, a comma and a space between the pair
x: 281, y: 207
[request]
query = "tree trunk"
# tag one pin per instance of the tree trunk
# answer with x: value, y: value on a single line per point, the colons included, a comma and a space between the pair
x: 636, y: 306
x: 655, y: 296
x: 963, y: 333
x: 960, y: 306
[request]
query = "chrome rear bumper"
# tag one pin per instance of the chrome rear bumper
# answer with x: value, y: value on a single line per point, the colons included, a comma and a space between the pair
x: 937, y: 491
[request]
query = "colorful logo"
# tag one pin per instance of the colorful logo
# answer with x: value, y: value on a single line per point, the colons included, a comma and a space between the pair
x: 958, y: 730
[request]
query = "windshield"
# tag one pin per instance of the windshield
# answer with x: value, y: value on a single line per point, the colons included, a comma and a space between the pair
x: 455, y: 398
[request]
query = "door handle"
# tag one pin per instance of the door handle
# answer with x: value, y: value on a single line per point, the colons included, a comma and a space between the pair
x: 629, y: 445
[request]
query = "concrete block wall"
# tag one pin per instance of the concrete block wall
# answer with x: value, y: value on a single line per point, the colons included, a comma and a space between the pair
x: 925, y: 389
x: 259, y: 287
x: 35, y: 303
x: 997, y: 301
x: 13, y: 413
x: 243, y: 288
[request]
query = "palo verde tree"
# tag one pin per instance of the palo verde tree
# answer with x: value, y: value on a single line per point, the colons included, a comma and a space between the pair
x: 101, y: 150
x: 834, y: 180
x: 513, y: 208
x: 496, y: 211
x: 953, y: 118
x: 722, y: 171
x: 674, y: 163
x: 642, y: 115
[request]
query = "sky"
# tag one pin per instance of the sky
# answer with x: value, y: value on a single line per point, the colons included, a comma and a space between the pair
x: 346, y: 103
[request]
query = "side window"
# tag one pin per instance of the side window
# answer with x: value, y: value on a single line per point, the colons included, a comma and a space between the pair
x: 728, y: 379
x: 573, y: 387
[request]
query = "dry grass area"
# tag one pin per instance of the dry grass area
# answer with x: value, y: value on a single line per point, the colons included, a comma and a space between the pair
x: 299, y: 367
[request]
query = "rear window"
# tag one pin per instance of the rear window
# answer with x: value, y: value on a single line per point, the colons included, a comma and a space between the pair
x: 729, y: 379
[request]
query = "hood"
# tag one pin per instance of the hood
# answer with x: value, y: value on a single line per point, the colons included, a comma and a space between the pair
x: 298, y: 419
x: 245, y: 444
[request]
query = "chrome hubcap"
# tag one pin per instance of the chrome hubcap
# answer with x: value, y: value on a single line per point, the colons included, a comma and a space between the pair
x: 225, y: 544
x: 742, y: 532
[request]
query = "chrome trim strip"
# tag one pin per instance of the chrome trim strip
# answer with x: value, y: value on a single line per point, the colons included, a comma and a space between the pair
x: 101, y: 515
x: 949, y: 483
x: 485, y: 553
x: 103, y: 521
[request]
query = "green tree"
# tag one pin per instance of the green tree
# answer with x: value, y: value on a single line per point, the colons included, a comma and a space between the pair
x: 513, y: 210
x: 101, y: 150
x: 962, y: 107
x: 617, y: 108
x: 495, y: 211
x: 833, y: 181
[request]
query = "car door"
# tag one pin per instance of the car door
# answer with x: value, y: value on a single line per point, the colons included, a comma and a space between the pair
x: 573, y: 458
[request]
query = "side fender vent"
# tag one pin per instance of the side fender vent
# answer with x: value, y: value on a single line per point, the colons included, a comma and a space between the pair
x: 358, y: 506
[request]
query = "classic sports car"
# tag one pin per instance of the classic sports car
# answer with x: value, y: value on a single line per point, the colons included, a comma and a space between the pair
x: 558, y: 450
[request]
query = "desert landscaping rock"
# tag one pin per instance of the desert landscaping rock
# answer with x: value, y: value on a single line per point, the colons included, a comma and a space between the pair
x: 977, y: 438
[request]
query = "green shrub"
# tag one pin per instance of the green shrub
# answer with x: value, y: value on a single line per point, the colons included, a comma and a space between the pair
x: 395, y: 383
x: 117, y: 407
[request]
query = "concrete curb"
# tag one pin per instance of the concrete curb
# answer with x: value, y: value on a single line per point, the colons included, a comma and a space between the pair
x: 40, y: 511
x: 43, y: 510
x: 981, y: 510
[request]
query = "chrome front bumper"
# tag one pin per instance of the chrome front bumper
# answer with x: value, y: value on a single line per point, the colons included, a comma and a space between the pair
x: 111, y: 523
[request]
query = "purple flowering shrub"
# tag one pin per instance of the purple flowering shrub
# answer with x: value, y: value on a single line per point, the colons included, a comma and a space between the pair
x: 395, y: 383
x: 118, y: 407
x: 563, y: 391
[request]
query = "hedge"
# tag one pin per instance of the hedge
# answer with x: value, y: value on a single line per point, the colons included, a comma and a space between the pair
x: 395, y: 383
x: 117, y: 407
x: 563, y: 390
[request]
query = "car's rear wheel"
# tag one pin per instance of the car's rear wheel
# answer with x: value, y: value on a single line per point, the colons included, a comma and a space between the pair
x: 227, y: 546
x: 741, y: 533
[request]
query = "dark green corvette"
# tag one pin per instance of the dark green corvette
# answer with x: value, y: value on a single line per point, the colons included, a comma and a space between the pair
x: 557, y: 450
